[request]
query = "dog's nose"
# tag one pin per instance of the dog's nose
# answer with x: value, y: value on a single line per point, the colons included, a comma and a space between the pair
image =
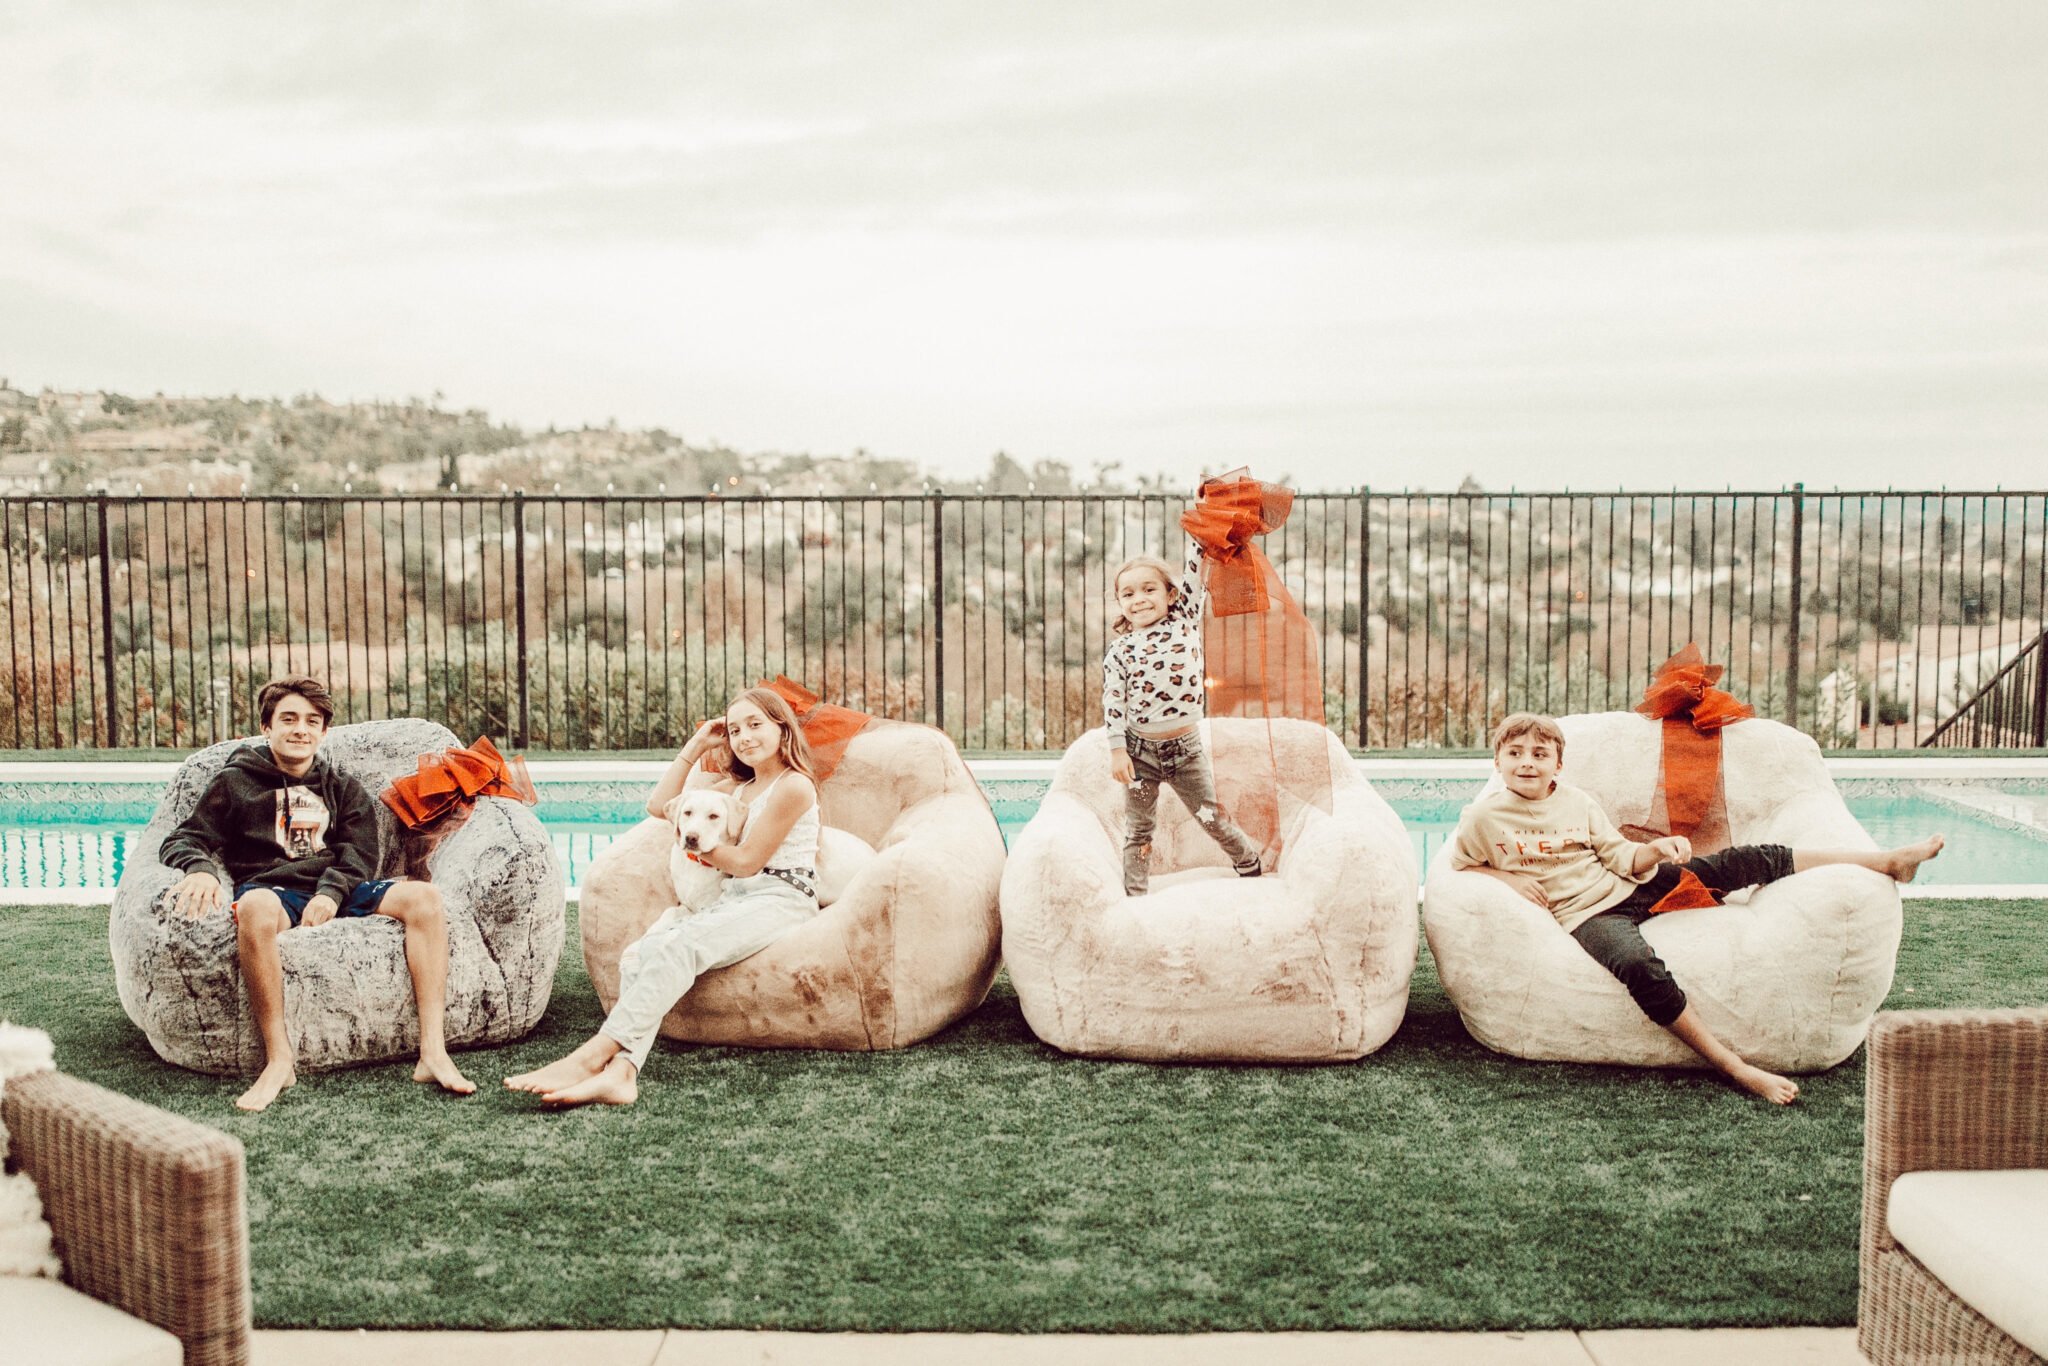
x: 689, y: 841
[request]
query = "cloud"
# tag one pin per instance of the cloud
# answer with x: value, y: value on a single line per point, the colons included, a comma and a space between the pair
x: 1506, y: 236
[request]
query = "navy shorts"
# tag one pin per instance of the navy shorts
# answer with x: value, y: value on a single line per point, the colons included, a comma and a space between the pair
x: 364, y: 900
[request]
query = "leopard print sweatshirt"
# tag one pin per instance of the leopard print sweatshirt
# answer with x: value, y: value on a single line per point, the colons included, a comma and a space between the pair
x: 1152, y: 677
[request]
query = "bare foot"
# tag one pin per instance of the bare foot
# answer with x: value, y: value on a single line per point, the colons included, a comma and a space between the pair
x: 581, y: 1065
x: 1772, y: 1087
x: 441, y: 1068
x: 1905, y: 861
x: 271, y: 1083
x: 617, y: 1084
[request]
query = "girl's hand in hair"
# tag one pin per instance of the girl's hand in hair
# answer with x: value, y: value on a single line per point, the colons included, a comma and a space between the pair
x: 710, y: 738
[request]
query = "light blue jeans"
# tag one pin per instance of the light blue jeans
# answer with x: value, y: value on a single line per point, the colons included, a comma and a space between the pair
x: 658, y: 967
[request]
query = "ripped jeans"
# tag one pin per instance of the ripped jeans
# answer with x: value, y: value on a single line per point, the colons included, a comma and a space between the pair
x: 1182, y: 764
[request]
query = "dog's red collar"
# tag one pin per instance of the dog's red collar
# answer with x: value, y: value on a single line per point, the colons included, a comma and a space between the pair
x: 695, y: 858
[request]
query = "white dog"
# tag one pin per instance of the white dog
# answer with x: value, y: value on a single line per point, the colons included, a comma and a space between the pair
x: 705, y: 818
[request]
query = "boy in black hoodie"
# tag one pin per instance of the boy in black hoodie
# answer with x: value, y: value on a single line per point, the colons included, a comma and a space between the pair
x: 296, y: 841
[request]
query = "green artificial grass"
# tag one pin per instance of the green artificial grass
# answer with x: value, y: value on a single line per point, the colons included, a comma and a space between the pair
x: 983, y: 1181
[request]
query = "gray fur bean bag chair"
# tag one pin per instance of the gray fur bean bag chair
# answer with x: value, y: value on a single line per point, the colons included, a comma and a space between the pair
x: 348, y: 995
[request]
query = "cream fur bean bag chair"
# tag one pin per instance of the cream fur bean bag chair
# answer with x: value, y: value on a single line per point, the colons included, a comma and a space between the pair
x: 1789, y: 979
x: 1307, y: 964
x: 910, y: 947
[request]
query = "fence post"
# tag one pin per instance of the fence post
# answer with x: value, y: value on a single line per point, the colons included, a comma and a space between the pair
x: 2041, y: 691
x: 938, y: 597
x: 1798, y: 603
x: 1364, y: 606
x: 107, y: 624
x: 519, y: 609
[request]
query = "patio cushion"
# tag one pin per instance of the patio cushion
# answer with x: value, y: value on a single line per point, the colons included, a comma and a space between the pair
x: 49, y: 1321
x: 1985, y: 1235
x: 1308, y: 964
x: 1789, y: 979
x: 909, y: 947
x: 348, y: 995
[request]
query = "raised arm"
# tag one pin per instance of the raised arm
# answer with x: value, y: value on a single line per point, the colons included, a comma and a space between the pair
x: 709, y: 739
x: 1188, y: 602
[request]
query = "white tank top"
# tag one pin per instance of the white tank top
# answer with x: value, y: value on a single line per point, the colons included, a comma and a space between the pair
x: 799, y: 848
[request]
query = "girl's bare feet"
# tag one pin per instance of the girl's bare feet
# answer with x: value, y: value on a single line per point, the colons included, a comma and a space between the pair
x: 440, y: 1068
x: 617, y: 1084
x: 271, y: 1082
x: 1905, y: 861
x: 586, y: 1062
x: 1772, y: 1087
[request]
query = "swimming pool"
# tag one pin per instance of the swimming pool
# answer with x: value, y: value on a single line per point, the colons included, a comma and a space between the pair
x: 65, y: 830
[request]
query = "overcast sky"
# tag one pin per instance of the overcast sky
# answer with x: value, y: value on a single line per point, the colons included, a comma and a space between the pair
x: 1545, y: 245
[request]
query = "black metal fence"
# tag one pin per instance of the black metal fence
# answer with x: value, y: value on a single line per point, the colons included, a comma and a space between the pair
x: 567, y: 623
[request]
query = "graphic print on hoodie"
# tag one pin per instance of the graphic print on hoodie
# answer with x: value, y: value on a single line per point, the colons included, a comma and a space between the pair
x: 316, y: 833
x: 302, y: 820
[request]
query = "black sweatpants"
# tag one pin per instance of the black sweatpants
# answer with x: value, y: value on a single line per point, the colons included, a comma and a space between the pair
x: 1615, y: 938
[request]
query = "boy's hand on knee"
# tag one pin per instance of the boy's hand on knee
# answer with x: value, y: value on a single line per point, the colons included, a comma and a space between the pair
x: 318, y: 911
x: 1120, y: 767
x: 1672, y: 849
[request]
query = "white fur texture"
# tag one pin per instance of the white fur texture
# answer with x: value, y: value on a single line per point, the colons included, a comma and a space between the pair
x: 1309, y: 963
x: 705, y: 819
x: 25, y: 1247
x: 1789, y: 978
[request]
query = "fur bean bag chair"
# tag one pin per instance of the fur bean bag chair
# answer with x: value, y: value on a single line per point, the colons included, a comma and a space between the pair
x: 909, y: 948
x: 348, y: 995
x: 1789, y: 978
x: 1309, y: 963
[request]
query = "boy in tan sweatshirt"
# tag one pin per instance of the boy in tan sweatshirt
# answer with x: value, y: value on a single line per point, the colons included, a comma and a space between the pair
x: 1554, y: 846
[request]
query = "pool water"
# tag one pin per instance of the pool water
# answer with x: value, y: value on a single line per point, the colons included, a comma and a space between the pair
x: 79, y: 845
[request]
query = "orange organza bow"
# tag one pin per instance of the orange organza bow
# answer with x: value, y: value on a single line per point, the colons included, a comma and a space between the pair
x: 457, y: 777
x: 1223, y: 521
x: 827, y: 726
x: 1689, y: 785
x: 1684, y: 690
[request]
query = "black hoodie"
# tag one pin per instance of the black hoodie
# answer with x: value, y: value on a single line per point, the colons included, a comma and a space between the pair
x: 314, y: 834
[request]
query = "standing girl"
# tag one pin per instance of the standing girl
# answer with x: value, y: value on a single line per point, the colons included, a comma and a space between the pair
x: 770, y: 891
x: 1153, y: 695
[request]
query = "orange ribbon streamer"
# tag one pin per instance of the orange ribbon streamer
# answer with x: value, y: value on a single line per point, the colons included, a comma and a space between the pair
x: 457, y: 777
x: 827, y: 725
x: 1261, y: 655
x: 1690, y: 792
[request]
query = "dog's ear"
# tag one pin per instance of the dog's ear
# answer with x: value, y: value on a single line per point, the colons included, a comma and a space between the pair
x: 671, y: 812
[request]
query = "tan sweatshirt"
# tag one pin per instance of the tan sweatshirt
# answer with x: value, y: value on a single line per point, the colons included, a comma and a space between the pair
x: 1583, y: 864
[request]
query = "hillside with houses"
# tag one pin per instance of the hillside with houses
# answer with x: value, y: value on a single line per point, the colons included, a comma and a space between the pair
x: 96, y: 440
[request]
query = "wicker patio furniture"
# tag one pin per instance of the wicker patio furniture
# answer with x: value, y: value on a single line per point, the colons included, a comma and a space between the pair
x: 148, y: 1212
x: 1955, y: 1092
